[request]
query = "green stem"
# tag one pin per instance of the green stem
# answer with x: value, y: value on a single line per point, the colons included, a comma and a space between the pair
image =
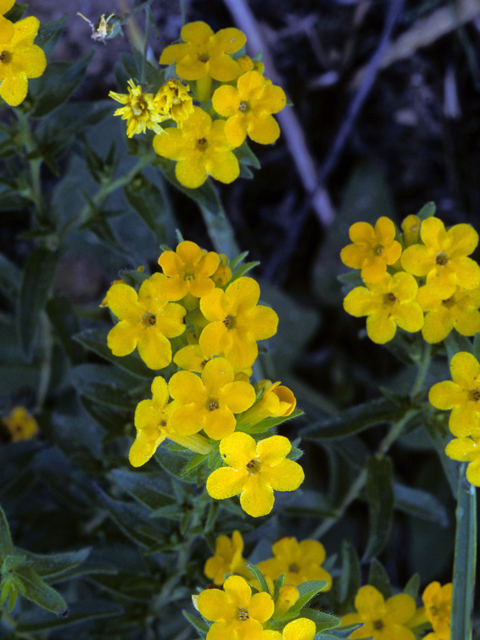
x: 46, y: 370
x: 422, y: 369
x: 34, y: 165
x: 182, y: 11
x: 103, y: 192
x: 220, y: 232
x: 465, y: 560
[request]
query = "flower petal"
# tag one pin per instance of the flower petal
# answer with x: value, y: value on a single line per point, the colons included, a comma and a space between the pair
x: 191, y: 172
x: 299, y: 629
x: 122, y: 339
x: 264, y: 130
x: 446, y: 395
x: 226, y: 101
x: 400, y: 608
x: 14, y: 89
x: 465, y: 369
x: 213, y: 604
x: 261, y: 607
x: 257, y: 497
x: 186, y: 387
x: 273, y: 450
x: 154, y: 349
x: 226, y: 482
x: 285, y: 476
x: 380, y: 327
x: 369, y: 603
x: 223, y: 68
x: 238, y: 449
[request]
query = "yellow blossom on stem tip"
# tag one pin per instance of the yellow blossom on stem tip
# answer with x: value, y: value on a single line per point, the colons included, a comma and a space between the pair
x: 236, y: 322
x: 205, y: 53
x: 173, y: 100
x: 188, y: 270
x: 467, y: 450
x: 411, y: 230
x: 461, y: 395
x: 153, y: 424
x: 299, y: 629
x: 227, y: 559
x: 237, y: 615
x: 255, y: 471
x: 438, y: 605
x: 249, y: 109
x: 200, y: 149
x: 299, y: 561
x: 147, y: 320
x: 287, y: 597
x: 443, y: 257
x: 275, y: 401
x: 191, y: 358
x: 20, y: 59
x: 460, y: 310
x: 247, y: 64
x: 223, y: 274
x: 21, y: 424
x: 382, y: 620
x: 209, y: 402
x: 388, y: 304
x: 372, y: 249
x: 140, y: 110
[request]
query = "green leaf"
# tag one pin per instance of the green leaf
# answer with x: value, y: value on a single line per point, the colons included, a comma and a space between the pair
x: 258, y: 575
x: 61, y: 315
x: 150, y: 489
x: 6, y: 545
x: 11, y: 563
x: 412, y: 586
x: 476, y: 346
x: 54, y: 565
x: 246, y: 156
x: 96, y: 340
x: 465, y: 560
x: 148, y: 201
x: 343, y: 632
x: 454, y: 343
x: 379, y: 579
x: 354, y: 420
x: 37, y: 281
x: 16, y: 13
x: 427, y: 211
x: 198, y: 624
x: 105, y: 385
x: 420, y: 504
x: 58, y: 83
x: 440, y: 435
x: 350, y: 576
x: 40, y: 593
x: 49, y: 33
x: 322, y: 620
x: 38, y: 621
x: 269, y: 423
x: 379, y: 492
x: 307, y: 591
x: 10, y: 587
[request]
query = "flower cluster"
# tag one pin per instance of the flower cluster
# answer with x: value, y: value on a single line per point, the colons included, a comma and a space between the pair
x: 205, y: 323
x: 423, y: 280
x: 243, y: 102
x: 20, y: 59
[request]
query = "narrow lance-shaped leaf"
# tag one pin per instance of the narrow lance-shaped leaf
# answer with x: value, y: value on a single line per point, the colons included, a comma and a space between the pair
x: 39, y: 621
x: 380, y: 499
x: 350, y: 576
x: 54, y: 565
x: 6, y: 545
x: 40, y: 593
x: 378, y: 578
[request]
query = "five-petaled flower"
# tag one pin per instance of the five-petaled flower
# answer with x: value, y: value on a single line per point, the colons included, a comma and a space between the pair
x: 188, y: 270
x: 236, y: 322
x: 461, y: 395
x: 372, y: 249
x: 299, y: 629
x: 227, y: 559
x: 254, y: 471
x: 299, y: 561
x: 382, y: 620
x: 388, y: 304
x: 467, y: 450
x: 237, y: 615
x: 140, y: 111
x: 147, y: 320
x: 153, y: 424
x: 438, y: 604
x: 20, y: 59
x: 21, y: 424
x: 200, y: 148
x: 443, y: 257
x: 249, y: 109
x: 209, y: 402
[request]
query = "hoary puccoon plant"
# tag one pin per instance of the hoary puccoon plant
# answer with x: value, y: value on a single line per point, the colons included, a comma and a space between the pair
x: 146, y: 473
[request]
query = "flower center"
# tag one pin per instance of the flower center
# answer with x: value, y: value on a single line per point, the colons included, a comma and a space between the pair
x: 449, y: 302
x: 253, y: 467
x: 141, y: 106
x: 378, y: 625
x: 442, y: 259
x: 378, y: 249
x: 203, y: 57
x: 201, y: 144
x: 474, y: 395
x: 189, y: 276
x: 294, y: 568
x: 212, y: 404
x: 433, y: 610
x: 149, y: 320
x: 5, y: 57
x: 230, y: 322
x: 245, y: 106
x: 389, y: 298
x: 242, y: 614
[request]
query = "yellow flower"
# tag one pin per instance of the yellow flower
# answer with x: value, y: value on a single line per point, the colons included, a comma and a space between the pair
x: 275, y: 401
x: 146, y: 321
x: 461, y: 394
x: 467, y: 450
x: 227, y: 559
x: 411, y: 229
x: 200, y: 149
x: 299, y: 629
x: 20, y: 59
x: 443, y: 257
x: 6, y: 5
x: 209, y: 402
x: 140, y: 110
x: 153, y: 424
x: 204, y: 53
x: 191, y: 358
x: 223, y: 274
x: 236, y: 322
x: 460, y: 310
x: 188, y: 270
x: 287, y: 597
x: 372, y: 249
x: 173, y: 100
x: 254, y: 471
x: 299, y: 561
x: 382, y: 620
x: 21, y: 424
x: 247, y: 64
x: 388, y: 304
x: 237, y: 615
x: 438, y: 604
x: 249, y: 109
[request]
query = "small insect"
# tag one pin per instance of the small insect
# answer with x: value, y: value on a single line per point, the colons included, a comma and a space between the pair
x: 106, y: 28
